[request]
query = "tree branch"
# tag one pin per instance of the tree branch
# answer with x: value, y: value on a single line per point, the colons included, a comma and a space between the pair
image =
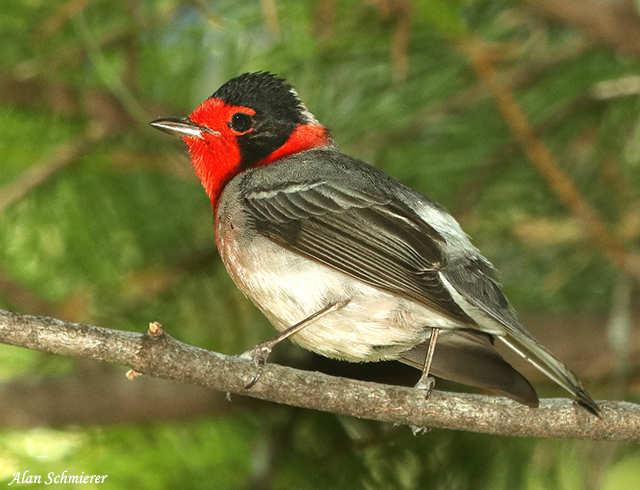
x: 159, y: 355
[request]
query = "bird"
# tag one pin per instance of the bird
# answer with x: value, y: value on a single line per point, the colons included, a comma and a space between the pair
x: 344, y: 260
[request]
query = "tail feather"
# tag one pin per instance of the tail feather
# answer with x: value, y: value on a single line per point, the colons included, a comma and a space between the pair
x: 533, y: 351
x: 472, y: 283
x: 469, y: 357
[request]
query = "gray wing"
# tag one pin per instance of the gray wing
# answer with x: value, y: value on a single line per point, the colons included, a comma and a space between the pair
x: 474, y: 279
x: 374, y: 239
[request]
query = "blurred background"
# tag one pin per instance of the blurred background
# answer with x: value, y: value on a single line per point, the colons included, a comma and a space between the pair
x: 522, y: 118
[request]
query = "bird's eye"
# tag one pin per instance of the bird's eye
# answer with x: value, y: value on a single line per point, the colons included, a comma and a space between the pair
x: 241, y: 122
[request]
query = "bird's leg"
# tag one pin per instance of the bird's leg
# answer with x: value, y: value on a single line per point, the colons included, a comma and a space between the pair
x: 260, y: 352
x: 427, y: 382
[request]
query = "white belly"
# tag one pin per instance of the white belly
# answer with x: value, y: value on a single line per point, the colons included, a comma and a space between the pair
x: 374, y: 325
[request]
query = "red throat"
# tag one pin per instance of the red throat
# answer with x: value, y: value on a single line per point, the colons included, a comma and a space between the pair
x: 216, y: 156
x: 215, y: 163
x: 305, y: 137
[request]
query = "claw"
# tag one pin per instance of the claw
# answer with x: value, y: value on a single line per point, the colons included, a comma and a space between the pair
x: 426, y: 385
x: 258, y: 355
x: 419, y: 431
x: 255, y: 379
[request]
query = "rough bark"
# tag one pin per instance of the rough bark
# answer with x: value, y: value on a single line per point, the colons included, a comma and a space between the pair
x: 158, y: 355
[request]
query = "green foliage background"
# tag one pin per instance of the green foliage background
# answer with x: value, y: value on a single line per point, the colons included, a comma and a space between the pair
x: 121, y: 234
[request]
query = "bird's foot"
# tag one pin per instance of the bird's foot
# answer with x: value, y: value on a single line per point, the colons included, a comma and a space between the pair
x: 258, y: 355
x: 427, y: 385
x: 260, y: 352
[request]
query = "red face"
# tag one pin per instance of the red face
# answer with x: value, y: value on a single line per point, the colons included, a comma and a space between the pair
x: 215, y: 154
x: 230, y: 133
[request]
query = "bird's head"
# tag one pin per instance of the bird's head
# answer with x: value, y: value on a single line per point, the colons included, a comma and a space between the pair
x: 253, y: 119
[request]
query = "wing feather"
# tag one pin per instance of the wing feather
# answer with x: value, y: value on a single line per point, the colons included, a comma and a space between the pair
x: 375, y: 239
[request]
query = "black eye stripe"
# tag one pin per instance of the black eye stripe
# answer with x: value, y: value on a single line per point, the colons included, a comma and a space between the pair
x: 241, y: 122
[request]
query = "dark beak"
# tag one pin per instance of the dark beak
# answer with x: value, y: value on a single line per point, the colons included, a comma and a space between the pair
x: 180, y: 127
